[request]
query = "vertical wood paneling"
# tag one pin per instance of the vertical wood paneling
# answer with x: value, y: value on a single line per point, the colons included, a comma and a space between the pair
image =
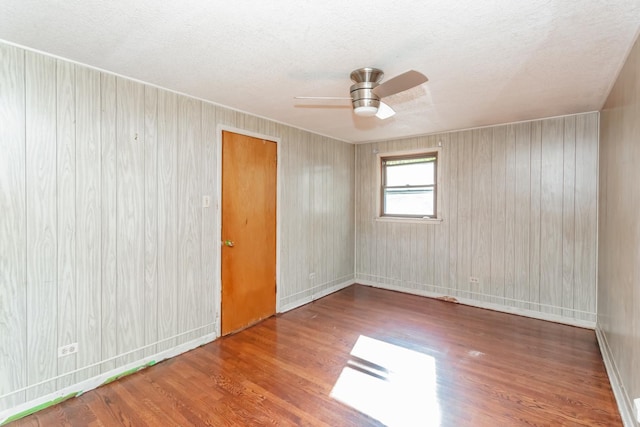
x: 283, y: 255
x: 306, y: 199
x: 392, y: 257
x: 619, y: 228
x: 421, y: 249
x: 430, y: 257
x: 289, y: 191
x: 342, y: 163
x: 41, y: 221
x: 345, y: 167
x: 130, y: 218
x: 586, y: 209
x: 498, y: 214
x: 301, y: 193
x: 370, y: 205
x: 568, y: 213
x: 507, y: 219
x: 307, y: 219
x: 315, y: 219
x: 317, y: 202
x: 323, y: 210
x: 441, y: 233
x: 370, y: 197
x: 551, y: 218
x: 330, y: 209
x: 314, y: 203
x: 210, y: 237
x: 189, y: 214
x: 522, y: 237
x: 167, y: 219
x: 150, y: 219
x: 534, y: 224
x: 347, y: 206
x: 331, y: 223
x: 13, y: 259
x: 362, y: 208
x: 451, y: 151
x: 288, y: 187
x: 465, y: 213
x: 336, y: 198
x: 108, y: 181
x: 66, y: 208
x: 510, y: 217
x: 89, y: 219
x: 410, y: 271
x: 481, y: 210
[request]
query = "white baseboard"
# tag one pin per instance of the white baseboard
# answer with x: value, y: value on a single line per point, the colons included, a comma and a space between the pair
x: 488, y: 305
x: 622, y: 397
x: 315, y: 296
x: 77, y: 389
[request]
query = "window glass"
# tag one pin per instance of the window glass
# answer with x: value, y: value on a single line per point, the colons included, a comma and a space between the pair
x: 410, y: 174
x: 413, y: 201
x: 409, y: 185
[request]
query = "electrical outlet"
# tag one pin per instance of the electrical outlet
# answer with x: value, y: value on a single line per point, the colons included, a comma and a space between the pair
x: 68, y: 349
x: 474, y: 280
x: 636, y: 404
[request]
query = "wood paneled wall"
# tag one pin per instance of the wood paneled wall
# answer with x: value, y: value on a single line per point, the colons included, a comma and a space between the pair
x: 518, y: 206
x: 619, y: 233
x: 103, y: 240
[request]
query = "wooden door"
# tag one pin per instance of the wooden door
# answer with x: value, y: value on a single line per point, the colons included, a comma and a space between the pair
x: 248, y: 230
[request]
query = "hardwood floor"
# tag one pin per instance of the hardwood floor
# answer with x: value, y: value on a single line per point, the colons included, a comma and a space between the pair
x: 400, y: 359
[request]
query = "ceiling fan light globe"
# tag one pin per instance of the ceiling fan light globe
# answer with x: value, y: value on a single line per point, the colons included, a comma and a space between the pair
x: 365, y: 111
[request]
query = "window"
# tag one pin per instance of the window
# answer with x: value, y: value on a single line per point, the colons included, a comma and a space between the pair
x: 409, y: 185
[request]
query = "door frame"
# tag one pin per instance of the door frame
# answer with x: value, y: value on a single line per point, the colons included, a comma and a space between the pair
x: 218, y: 223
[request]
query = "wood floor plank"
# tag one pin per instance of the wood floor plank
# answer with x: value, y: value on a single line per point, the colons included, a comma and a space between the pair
x: 474, y: 367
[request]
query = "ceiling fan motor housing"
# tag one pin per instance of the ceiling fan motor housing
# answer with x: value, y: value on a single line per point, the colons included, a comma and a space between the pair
x: 365, y: 102
x: 362, y: 96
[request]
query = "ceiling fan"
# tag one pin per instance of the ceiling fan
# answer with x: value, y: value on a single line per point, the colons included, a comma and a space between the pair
x: 367, y: 91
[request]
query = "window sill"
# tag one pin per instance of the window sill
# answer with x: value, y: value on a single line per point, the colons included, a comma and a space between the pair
x: 408, y: 220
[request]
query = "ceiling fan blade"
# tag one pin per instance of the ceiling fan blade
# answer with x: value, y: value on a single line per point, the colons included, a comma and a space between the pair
x: 400, y: 83
x: 324, y: 98
x: 384, y: 111
x: 324, y: 106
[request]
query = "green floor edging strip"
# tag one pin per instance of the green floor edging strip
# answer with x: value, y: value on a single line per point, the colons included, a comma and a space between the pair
x: 70, y: 395
x: 38, y: 408
x: 128, y: 372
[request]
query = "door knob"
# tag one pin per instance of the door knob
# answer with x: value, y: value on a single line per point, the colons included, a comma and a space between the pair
x: 228, y: 243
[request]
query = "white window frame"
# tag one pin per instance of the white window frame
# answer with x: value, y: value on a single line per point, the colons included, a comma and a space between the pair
x: 438, y: 186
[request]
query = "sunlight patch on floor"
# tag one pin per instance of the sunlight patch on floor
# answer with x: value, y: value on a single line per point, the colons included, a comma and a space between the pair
x: 395, y: 385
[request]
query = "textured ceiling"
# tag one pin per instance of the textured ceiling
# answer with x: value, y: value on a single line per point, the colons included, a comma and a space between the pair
x: 488, y: 62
